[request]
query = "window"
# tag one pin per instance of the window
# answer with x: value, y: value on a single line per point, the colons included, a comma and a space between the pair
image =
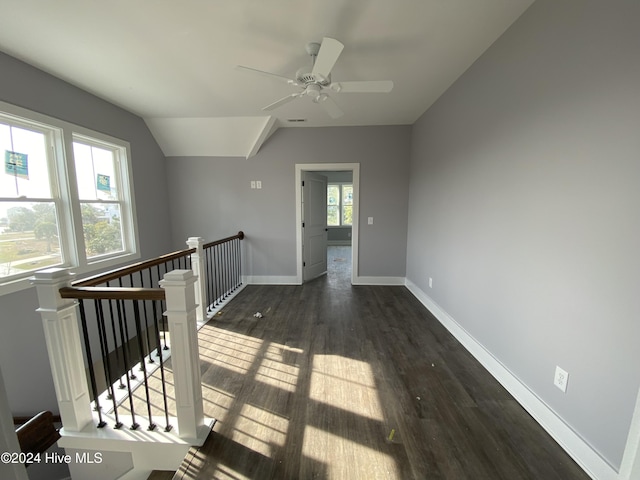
x: 65, y: 198
x: 339, y: 204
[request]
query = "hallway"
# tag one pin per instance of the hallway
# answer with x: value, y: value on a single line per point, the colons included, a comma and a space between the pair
x: 343, y: 382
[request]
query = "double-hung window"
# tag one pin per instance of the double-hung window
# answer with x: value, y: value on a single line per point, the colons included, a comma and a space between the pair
x: 339, y: 204
x: 66, y: 198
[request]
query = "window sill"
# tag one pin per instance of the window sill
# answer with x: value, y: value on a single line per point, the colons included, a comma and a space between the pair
x: 95, y: 267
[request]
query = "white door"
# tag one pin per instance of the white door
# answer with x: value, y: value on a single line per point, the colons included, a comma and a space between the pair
x: 314, y: 225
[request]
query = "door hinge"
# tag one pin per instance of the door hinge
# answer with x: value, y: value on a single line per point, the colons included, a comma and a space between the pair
x: 303, y: 183
x: 304, y: 264
x: 302, y: 224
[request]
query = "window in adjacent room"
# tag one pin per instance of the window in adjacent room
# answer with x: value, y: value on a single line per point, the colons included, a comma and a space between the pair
x: 339, y: 204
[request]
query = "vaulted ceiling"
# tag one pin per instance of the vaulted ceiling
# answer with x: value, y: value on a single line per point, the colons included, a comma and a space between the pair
x: 174, y: 63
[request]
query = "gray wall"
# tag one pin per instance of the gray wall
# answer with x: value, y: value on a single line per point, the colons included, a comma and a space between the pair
x: 524, y: 208
x: 211, y: 197
x: 23, y: 354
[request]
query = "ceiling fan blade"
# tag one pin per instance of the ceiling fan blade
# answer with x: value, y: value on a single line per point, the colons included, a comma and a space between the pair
x: 376, y: 86
x: 282, y: 101
x: 268, y: 74
x: 330, y: 106
x: 330, y: 50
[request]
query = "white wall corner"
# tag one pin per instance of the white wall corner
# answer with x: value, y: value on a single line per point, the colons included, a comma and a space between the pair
x: 575, y: 446
x: 268, y: 128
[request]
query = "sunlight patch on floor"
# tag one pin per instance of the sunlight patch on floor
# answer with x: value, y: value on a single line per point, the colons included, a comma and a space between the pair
x: 356, y: 460
x: 230, y: 350
x: 350, y: 382
x: 216, y: 402
x: 260, y: 430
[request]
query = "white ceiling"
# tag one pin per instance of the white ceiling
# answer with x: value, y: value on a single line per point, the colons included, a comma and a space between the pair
x: 173, y: 62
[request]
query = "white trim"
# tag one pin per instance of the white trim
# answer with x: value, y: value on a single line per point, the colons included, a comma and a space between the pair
x: 387, y: 281
x: 328, y: 167
x: 584, y: 455
x: 630, y: 467
x: 271, y: 280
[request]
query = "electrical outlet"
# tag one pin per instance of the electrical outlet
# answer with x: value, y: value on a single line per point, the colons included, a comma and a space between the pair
x: 258, y: 183
x: 430, y: 282
x: 560, y: 379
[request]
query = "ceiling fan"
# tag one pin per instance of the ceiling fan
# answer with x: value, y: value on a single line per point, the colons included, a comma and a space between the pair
x: 315, y: 81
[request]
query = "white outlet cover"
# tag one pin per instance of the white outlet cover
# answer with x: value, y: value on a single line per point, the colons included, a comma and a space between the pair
x: 561, y: 379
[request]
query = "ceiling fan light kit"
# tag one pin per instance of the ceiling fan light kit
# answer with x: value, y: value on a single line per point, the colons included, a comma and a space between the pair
x: 313, y: 81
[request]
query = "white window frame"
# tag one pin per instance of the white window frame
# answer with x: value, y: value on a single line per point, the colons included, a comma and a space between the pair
x: 340, y: 185
x: 65, y: 194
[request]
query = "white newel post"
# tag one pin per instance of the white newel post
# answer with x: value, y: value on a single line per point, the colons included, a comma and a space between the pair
x: 198, y: 267
x: 185, y: 355
x: 64, y: 344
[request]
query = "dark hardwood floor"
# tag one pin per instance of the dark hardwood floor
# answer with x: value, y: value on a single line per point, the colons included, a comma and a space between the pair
x: 355, y: 382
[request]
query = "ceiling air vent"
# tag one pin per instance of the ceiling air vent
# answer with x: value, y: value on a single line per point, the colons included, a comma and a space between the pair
x: 296, y: 120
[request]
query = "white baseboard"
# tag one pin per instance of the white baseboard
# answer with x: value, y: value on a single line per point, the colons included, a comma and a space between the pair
x: 270, y: 280
x: 584, y: 455
x: 388, y: 281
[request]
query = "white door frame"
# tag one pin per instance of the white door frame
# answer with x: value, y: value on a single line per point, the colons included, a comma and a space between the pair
x: 328, y: 167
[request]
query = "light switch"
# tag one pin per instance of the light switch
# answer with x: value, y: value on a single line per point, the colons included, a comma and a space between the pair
x: 370, y: 220
x: 253, y: 184
x: 258, y: 183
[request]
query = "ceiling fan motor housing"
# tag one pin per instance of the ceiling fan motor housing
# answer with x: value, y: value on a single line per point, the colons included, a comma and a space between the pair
x: 305, y: 77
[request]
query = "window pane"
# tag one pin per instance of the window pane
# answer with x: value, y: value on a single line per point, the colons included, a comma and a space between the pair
x: 102, y: 229
x: 29, y: 237
x: 24, y: 157
x: 95, y: 172
x: 332, y: 215
x: 347, y: 215
x: 333, y: 195
x: 347, y: 194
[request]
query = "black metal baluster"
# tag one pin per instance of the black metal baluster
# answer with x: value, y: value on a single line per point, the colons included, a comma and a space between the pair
x: 236, y: 265
x: 162, y: 377
x: 104, y: 346
x: 154, y: 312
x: 136, y: 315
x: 123, y: 312
x: 226, y: 269
x: 146, y: 321
x: 234, y: 274
x: 216, y: 276
x: 122, y: 321
x: 116, y: 351
x: 163, y: 308
x: 92, y: 375
x: 212, y: 276
x: 239, y: 262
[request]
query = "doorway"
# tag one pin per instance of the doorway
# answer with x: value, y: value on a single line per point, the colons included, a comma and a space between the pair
x: 324, y: 169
